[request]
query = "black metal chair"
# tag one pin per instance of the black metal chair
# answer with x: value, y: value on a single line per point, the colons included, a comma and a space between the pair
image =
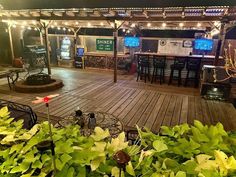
x: 193, y: 66
x: 143, y: 68
x: 20, y: 111
x: 179, y: 65
x: 159, y: 64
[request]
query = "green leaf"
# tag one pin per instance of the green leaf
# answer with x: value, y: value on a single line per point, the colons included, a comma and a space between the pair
x: 96, y: 162
x: 100, y: 134
x: 16, y: 148
x: 23, y: 167
x: 71, y: 172
x: 45, y: 158
x: 159, y: 146
x: 130, y: 169
x: 4, y: 112
x: 37, y: 164
x: 180, y: 174
x: 82, y: 172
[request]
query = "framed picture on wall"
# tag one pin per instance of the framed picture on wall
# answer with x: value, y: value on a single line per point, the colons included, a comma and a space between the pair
x: 187, y: 43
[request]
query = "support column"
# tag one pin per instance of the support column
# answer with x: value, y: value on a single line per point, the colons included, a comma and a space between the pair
x: 220, y: 45
x: 45, y: 35
x: 41, y: 38
x: 115, y: 34
x: 11, y: 44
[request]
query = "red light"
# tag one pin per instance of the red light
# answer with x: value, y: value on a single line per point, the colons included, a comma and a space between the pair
x: 46, y: 99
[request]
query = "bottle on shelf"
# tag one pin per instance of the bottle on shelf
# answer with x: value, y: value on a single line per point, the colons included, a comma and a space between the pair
x: 92, y: 121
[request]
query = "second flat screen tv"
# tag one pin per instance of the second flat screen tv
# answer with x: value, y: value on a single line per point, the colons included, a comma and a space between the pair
x: 132, y: 41
x: 203, y: 44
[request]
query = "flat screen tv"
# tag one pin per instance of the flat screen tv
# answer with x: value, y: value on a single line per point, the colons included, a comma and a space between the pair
x: 203, y: 44
x: 132, y: 41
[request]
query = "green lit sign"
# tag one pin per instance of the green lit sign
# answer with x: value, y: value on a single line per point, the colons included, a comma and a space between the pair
x: 104, y: 44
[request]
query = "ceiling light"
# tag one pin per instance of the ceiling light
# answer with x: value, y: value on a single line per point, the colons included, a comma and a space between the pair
x: 149, y: 24
x: 199, y: 24
x: 64, y: 29
x: 133, y: 25
x: 123, y: 30
x: 58, y: 28
x: 181, y: 24
x: 163, y: 24
x: 89, y: 24
x: 76, y: 23
x: 101, y: 24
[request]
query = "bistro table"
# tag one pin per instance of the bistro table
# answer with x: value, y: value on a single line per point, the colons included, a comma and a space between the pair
x: 103, y: 120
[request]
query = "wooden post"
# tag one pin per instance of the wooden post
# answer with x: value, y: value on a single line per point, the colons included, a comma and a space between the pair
x: 11, y: 44
x: 41, y: 38
x: 220, y: 45
x: 45, y: 29
x: 115, y: 34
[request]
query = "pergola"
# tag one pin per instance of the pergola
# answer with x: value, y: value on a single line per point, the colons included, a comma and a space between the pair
x: 216, y: 16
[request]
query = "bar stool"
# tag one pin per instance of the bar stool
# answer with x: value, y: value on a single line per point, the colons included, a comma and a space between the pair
x: 143, y: 68
x: 193, y: 66
x: 179, y: 64
x: 159, y: 64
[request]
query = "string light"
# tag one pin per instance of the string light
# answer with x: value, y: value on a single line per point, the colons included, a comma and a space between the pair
x: 69, y: 30
x: 35, y: 29
x: 52, y: 26
x: 55, y: 23
x: 149, y: 24
x: 199, y: 24
x: 76, y: 23
x: 14, y: 26
x: 89, y: 24
x: 123, y: 30
x: 101, y: 24
x: 163, y: 24
x: 58, y: 28
x: 34, y: 22
x: 64, y: 29
x: 133, y: 25
x: 29, y: 28
x: 22, y: 27
x: 24, y: 23
x: 181, y: 24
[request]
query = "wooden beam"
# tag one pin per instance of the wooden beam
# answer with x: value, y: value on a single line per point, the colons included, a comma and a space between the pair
x: 11, y: 44
x: 87, y: 18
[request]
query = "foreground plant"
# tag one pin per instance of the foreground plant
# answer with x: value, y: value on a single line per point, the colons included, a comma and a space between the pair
x: 199, y: 150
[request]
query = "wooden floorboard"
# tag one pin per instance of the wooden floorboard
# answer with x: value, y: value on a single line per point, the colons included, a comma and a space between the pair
x: 134, y: 103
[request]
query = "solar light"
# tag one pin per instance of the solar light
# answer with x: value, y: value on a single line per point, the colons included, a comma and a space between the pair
x: 149, y: 24
x: 163, y: 24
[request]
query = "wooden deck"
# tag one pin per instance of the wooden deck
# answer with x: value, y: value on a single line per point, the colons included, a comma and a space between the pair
x: 149, y: 105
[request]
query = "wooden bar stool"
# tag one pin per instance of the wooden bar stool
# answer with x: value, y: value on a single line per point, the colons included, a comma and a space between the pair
x: 143, y: 68
x: 179, y: 64
x: 159, y: 64
x: 193, y: 66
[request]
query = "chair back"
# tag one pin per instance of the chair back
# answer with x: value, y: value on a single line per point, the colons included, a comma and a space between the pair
x: 180, y: 62
x: 159, y: 61
x: 193, y: 64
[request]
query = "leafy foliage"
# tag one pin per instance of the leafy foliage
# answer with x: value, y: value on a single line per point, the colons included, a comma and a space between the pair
x: 180, y: 151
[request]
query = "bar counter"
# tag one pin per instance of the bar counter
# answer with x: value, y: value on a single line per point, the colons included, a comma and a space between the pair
x: 102, y: 60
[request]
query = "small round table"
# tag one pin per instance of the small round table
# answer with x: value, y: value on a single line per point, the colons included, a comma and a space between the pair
x: 103, y: 120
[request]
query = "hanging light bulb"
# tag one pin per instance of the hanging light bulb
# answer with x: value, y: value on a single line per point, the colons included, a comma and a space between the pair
x: 14, y: 26
x: 89, y: 24
x: 181, y: 24
x: 76, y: 23
x: 59, y: 28
x: 101, y: 24
x: 35, y: 29
x: 123, y: 30
x: 55, y: 23
x: 128, y: 31
x: 52, y: 26
x: 64, y: 29
x: 66, y: 23
x: 164, y: 25
x: 69, y: 30
x: 24, y: 23
x: 34, y: 22
x: 199, y: 24
x: 133, y: 25
x: 29, y: 28
x: 22, y: 26
x: 149, y: 24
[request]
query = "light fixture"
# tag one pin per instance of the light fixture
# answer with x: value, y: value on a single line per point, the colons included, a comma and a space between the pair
x: 199, y: 24
x: 181, y: 24
x: 133, y: 25
x: 66, y: 23
x: 22, y: 26
x: 89, y: 24
x: 64, y: 29
x: 55, y: 23
x: 76, y: 23
x: 14, y: 26
x: 34, y: 22
x: 52, y: 26
x: 59, y: 28
x: 29, y: 28
x: 24, y: 23
x: 101, y: 24
x: 149, y: 24
x: 123, y: 30
x: 163, y: 24
x: 69, y: 30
